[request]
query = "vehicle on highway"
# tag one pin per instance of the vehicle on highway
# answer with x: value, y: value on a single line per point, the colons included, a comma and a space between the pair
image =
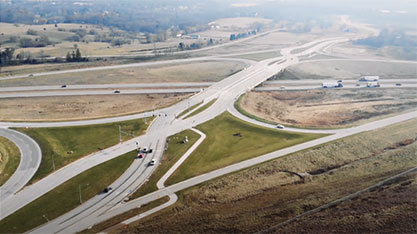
x: 372, y: 84
x: 30, y: 75
x: 152, y: 162
x: 398, y: 84
x: 116, y: 91
x: 280, y: 126
x: 282, y: 87
x: 63, y: 86
x: 144, y: 149
x: 106, y: 190
x: 340, y: 81
x: 357, y: 84
x: 369, y: 78
x: 141, y: 155
x: 331, y: 85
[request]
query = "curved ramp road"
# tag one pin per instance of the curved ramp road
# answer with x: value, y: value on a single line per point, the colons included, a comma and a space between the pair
x: 30, y: 159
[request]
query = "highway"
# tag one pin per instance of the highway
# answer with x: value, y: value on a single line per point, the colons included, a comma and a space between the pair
x: 226, y: 92
x: 30, y: 160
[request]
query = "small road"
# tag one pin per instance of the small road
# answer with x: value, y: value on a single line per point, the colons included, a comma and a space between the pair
x: 30, y: 159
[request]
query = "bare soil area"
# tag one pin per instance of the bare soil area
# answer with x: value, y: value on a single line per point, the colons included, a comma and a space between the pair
x: 328, y: 108
x: 82, y: 107
x: 265, y: 195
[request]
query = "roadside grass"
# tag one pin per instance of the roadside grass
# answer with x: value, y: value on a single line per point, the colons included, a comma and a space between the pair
x: 259, y: 56
x: 244, y: 112
x: 201, y: 109
x: 189, y: 109
x: 66, y: 196
x: 202, y: 71
x: 109, y: 224
x: 175, y: 150
x: 9, y: 159
x: 230, y: 140
x: 63, y: 145
x: 272, y: 192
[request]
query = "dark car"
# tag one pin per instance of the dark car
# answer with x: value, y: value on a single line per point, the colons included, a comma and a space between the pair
x: 63, y: 86
x: 141, y: 155
x: 106, y: 190
x: 116, y: 91
x: 398, y: 84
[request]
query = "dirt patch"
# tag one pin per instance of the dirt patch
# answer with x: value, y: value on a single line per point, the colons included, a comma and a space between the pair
x: 328, y: 108
x: 82, y: 107
x: 257, y: 198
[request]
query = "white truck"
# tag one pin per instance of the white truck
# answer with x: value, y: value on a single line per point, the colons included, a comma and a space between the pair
x: 332, y: 85
x: 373, y: 84
x: 369, y: 78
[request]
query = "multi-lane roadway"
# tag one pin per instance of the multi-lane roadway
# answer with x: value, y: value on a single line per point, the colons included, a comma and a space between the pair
x: 225, y: 92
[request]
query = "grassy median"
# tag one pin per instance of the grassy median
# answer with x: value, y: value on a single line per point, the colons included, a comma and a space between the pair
x: 9, y: 159
x: 66, y: 196
x: 201, y: 109
x: 175, y: 150
x: 231, y: 140
x: 61, y: 146
x: 189, y: 109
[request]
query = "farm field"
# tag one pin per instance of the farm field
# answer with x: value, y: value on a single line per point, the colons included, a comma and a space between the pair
x: 254, y: 199
x: 82, y: 107
x: 328, y: 108
x: 181, y: 72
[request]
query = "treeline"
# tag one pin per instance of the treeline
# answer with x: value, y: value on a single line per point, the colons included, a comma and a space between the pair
x: 136, y: 16
x: 389, y: 38
x: 8, y: 57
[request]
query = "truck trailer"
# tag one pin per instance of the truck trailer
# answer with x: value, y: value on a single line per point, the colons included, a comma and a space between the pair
x: 332, y: 85
x: 369, y: 78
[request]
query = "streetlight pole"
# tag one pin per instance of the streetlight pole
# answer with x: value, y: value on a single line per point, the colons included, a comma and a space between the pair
x: 120, y: 134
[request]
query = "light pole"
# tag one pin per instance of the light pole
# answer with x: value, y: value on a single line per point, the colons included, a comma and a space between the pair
x: 79, y: 190
x: 53, y: 162
x: 120, y: 134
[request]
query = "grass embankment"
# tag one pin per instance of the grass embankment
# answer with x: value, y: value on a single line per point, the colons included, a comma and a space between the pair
x: 189, y: 109
x: 244, y: 112
x: 222, y: 148
x: 272, y: 192
x: 175, y: 150
x: 9, y: 159
x: 201, y: 109
x: 66, y: 196
x: 61, y: 146
x: 112, y: 223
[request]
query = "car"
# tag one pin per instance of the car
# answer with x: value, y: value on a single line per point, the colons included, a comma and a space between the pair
x: 141, y: 155
x: 63, y: 86
x: 282, y: 87
x: 116, y: 91
x: 280, y: 126
x: 144, y: 150
x: 30, y: 75
x: 398, y: 84
x: 150, y: 151
x: 106, y: 190
x: 357, y: 84
x: 340, y: 81
x: 152, y: 162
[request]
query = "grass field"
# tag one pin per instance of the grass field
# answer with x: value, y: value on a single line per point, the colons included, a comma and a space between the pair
x: 212, y: 71
x: 326, y: 108
x: 61, y: 146
x: 253, y: 199
x: 66, y: 196
x: 9, y: 159
x: 82, y: 107
x: 175, y: 150
x: 201, y: 109
x: 222, y: 148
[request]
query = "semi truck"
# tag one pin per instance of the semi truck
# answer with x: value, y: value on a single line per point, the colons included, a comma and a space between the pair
x: 369, y: 78
x: 372, y: 84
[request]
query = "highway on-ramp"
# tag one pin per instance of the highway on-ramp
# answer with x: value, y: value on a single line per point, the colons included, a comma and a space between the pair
x: 30, y: 159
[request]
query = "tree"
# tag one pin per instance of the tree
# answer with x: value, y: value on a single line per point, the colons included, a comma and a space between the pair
x: 78, y: 57
x: 69, y: 58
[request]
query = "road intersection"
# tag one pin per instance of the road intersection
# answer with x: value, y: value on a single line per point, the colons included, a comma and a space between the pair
x: 226, y: 92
